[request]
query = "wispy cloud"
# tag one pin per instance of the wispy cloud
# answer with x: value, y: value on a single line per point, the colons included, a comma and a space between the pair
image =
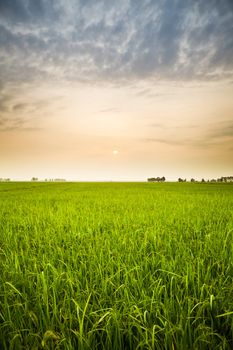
x: 108, y: 40
x: 108, y: 110
x: 19, y: 111
x: 214, y: 134
x: 148, y: 92
x: 222, y: 129
x: 171, y: 127
x: 8, y: 124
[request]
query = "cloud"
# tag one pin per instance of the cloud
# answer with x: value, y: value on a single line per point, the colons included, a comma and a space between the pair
x: 148, y: 92
x: 20, y: 123
x: 184, y: 142
x: 13, y: 123
x: 214, y: 134
x: 4, y: 103
x: 222, y: 130
x: 19, y: 110
x: 108, y: 110
x: 20, y: 106
x: 111, y: 41
x: 171, y: 127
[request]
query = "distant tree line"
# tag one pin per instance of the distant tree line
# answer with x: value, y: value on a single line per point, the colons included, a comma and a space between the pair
x: 56, y: 180
x: 225, y: 179
x: 221, y: 179
x: 156, y: 179
x: 48, y: 180
x: 5, y: 180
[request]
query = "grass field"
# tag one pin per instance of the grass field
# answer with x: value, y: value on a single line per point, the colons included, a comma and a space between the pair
x: 116, y: 266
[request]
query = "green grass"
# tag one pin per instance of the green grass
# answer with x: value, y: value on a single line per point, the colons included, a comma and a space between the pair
x: 116, y: 266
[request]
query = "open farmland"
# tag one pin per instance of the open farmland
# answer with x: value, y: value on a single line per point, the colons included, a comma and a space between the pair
x: 116, y: 266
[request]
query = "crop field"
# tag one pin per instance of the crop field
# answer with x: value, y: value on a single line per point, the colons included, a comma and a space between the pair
x: 116, y: 266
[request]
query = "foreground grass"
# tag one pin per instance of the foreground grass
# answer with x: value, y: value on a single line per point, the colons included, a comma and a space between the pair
x: 116, y: 266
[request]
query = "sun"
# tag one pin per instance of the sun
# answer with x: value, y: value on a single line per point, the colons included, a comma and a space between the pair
x: 115, y: 152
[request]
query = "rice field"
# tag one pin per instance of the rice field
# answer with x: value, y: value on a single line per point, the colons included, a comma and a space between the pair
x: 116, y: 266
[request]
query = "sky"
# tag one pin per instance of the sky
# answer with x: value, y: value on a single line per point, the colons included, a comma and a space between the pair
x: 103, y: 90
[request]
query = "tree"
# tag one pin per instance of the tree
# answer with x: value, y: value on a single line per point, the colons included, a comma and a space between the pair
x: 151, y: 179
x: 34, y: 179
x: 157, y: 179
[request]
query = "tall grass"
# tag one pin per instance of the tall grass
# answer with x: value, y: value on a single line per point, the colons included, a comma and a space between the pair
x: 116, y: 266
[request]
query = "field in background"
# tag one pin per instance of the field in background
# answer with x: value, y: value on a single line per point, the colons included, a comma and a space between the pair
x: 116, y: 266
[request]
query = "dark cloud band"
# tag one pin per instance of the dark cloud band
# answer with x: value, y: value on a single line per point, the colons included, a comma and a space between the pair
x: 108, y: 40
